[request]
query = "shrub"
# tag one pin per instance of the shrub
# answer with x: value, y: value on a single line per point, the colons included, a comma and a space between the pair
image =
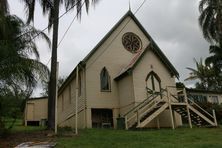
x: 217, y: 107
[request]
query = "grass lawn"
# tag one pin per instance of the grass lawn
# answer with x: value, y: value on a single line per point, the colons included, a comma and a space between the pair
x: 163, y: 138
x: 109, y: 138
x: 19, y: 127
x: 20, y: 133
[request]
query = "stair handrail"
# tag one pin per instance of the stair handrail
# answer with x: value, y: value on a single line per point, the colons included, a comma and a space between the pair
x: 157, y: 94
x: 142, y: 104
x: 200, y: 108
x: 174, y: 96
x: 137, y: 106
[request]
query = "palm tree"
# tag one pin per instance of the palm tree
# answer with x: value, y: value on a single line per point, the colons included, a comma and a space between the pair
x: 51, y: 8
x: 16, y: 66
x: 215, y: 61
x: 210, y: 20
x: 205, y: 75
x: 19, y: 73
x: 216, y: 58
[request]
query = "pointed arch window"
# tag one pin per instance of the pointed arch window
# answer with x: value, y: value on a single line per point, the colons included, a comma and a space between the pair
x: 153, y: 82
x: 105, y: 80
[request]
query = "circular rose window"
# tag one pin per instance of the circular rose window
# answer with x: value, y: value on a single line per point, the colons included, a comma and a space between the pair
x: 131, y: 42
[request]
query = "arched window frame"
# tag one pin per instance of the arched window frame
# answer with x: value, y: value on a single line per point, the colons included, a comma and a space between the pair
x: 105, y: 84
x: 153, y: 75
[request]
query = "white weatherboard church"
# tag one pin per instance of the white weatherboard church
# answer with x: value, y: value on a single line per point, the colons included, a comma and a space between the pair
x: 126, y: 75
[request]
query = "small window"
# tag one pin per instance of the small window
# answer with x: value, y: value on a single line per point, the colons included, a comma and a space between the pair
x: 199, y: 98
x: 105, y: 80
x: 214, y: 99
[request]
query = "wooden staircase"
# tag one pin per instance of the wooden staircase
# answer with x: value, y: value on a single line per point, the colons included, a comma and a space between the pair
x: 156, y: 103
x: 144, y: 111
x: 196, y: 117
x: 151, y: 115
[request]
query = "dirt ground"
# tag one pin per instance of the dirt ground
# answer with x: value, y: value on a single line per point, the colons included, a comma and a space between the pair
x: 15, y: 139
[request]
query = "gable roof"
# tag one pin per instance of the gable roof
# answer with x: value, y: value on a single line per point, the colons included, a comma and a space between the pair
x: 139, y: 55
x: 131, y: 64
x: 155, y: 48
x: 153, y: 45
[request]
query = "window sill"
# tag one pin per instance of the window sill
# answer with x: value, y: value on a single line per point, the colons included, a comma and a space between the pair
x: 105, y: 90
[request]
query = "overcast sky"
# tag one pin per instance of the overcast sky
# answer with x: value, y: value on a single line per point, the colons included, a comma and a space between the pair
x: 173, y: 24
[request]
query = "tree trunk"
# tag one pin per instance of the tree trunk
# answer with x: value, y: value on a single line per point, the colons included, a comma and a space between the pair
x: 219, y: 23
x: 52, y: 82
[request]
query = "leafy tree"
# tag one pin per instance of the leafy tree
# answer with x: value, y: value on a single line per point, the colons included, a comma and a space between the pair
x: 205, y: 75
x: 11, y: 108
x: 180, y: 85
x: 51, y: 8
x: 19, y: 72
x: 210, y: 106
x: 16, y: 66
x: 210, y: 20
x: 216, y: 58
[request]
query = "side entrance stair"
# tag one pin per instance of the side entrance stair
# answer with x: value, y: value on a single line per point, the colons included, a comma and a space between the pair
x: 143, y: 113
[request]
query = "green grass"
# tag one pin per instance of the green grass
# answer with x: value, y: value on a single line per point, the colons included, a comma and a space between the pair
x: 163, y: 138
x: 19, y: 127
x: 108, y: 138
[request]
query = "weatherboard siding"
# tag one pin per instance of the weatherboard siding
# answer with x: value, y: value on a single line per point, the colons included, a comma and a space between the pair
x: 150, y: 62
x: 112, y: 55
x: 39, y: 111
x: 126, y: 95
x: 67, y: 107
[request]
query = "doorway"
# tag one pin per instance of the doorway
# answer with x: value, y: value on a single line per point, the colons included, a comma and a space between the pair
x: 102, y: 118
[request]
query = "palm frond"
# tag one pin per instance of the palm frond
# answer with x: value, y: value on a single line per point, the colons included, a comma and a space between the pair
x: 202, y: 3
x: 16, y: 66
x: 210, y: 20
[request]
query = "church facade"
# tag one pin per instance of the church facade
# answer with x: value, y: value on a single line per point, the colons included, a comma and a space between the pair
x: 122, y: 71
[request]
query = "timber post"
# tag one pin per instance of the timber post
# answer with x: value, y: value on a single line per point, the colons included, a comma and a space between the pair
x: 77, y: 95
x: 215, y: 118
x: 170, y: 109
x: 126, y: 126
x: 188, y: 111
x: 138, y: 118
